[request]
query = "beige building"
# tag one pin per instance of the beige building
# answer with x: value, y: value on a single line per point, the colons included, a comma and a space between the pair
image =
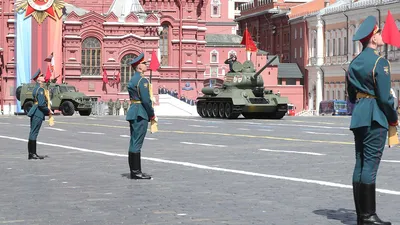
x: 331, y: 48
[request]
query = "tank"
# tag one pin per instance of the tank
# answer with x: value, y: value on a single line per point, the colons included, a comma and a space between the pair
x: 63, y: 97
x: 242, y: 92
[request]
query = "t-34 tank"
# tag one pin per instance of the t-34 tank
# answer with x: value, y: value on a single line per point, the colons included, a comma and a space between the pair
x: 242, y: 93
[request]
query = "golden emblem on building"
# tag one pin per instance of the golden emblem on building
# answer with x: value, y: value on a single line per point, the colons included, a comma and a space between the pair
x: 40, y: 9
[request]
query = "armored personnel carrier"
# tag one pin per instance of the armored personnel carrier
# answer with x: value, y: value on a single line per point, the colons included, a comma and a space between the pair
x: 243, y: 93
x: 63, y: 97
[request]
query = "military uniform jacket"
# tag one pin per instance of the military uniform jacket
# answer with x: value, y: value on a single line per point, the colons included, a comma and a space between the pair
x: 369, y: 73
x: 39, y: 108
x: 138, y: 88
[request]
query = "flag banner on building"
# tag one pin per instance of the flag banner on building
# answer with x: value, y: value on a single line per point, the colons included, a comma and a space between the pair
x: 248, y: 42
x: 34, y: 43
x: 154, y: 63
x: 390, y: 32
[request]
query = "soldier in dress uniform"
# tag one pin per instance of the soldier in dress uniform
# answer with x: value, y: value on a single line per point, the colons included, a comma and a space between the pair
x: 125, y: 105
x: 139, y: 114
x: 117, y: 106
x: 368, y: 80
x: 37, y: 114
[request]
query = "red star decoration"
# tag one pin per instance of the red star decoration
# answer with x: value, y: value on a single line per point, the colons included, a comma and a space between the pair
x: 50, y: 11
x: 29, y: 11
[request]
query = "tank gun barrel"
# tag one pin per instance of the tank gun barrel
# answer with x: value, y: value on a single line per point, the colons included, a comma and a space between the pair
x: 264, y: 67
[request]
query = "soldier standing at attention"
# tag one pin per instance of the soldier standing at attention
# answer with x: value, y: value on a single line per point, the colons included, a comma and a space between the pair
x: 125, y: 105
x: 139, y: 114
x: 37, y: 114
x: 369, y: 85
x: 117, y: 106
x: 110, y: 107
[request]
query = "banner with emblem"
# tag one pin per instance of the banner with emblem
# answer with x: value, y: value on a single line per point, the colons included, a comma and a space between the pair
x: 37, y: 38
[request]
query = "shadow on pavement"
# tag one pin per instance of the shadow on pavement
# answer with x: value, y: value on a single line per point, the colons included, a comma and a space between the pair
x: 345, y: 216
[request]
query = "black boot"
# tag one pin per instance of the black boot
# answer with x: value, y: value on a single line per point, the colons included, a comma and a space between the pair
x: 356, y: 195
x: 368, y: 206
x: 32, y: 150
x: 136, y: 167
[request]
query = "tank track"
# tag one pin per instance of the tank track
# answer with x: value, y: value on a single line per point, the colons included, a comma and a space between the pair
x: 224, y: 109
x: 218, y: 108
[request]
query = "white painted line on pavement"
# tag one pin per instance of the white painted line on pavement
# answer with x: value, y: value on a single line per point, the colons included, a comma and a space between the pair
x: 203, y: 144
x: 23, y: 125
x: 83, y: 132
x: 308, y: 181
x: 4, y: 123
x: 202, y: 126
x: 53, y: 128
x: 147, y: 138
x: 311, y: 132
x: 390, y: 161
x: 165, y: 123
x: 295, y: 152
x: 243, y: 129
x: 265, y: 130
x: 313, y: 126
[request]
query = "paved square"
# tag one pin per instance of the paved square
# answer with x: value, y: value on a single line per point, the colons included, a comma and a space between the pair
x: 206, y: 171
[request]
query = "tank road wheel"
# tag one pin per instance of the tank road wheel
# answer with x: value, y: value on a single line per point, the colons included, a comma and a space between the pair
x: 27, y: 106
x: 221, y: 111
x: 209, y: 109
x: 67, y: 108
x: 215, y: 110
x: 204, y: 109
x: 200, y: 107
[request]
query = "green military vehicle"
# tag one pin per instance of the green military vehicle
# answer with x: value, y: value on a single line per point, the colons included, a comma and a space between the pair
x: 242, y: 92
x: 63, y: 97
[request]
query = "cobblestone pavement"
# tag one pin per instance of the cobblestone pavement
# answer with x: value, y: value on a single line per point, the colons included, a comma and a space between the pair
x: 294, y: 171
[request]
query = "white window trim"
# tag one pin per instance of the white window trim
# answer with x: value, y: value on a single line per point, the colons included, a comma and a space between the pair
x: 215, y: 3
x: 214, y: 52
x: 295, y: 53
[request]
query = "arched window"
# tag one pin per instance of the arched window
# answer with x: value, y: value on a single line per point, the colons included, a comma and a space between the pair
x: 126, y: 71
x: 91, y: 57
x: 214, y: 56
x: 215, y: 8
x: 164, y: 45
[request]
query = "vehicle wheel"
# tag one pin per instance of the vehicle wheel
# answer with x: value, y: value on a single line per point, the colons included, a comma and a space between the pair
x: 67, y: 108
x: 221, y: 110
x: 215, y: 110
x: 210, y: 109
x: 204, y: 109
x: 18, y: 93
x: 27, y: 106
x: 200, y: 109
x: 228, y: 110
x: 85, y: 112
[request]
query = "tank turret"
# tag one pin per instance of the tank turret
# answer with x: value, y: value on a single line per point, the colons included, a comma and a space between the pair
x: 242, y: 92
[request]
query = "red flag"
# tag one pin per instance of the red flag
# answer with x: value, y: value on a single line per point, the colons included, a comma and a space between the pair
x: 118, y: 78
x: 154, y: 64
x: 48, y: 74
x: 105, y: 78
x: 390, y: 32
x: 248, y: 42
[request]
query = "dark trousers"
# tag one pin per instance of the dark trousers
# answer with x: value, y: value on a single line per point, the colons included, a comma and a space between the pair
x: 138, y: 129
x: 36, y: 123
x: 369, y: 143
